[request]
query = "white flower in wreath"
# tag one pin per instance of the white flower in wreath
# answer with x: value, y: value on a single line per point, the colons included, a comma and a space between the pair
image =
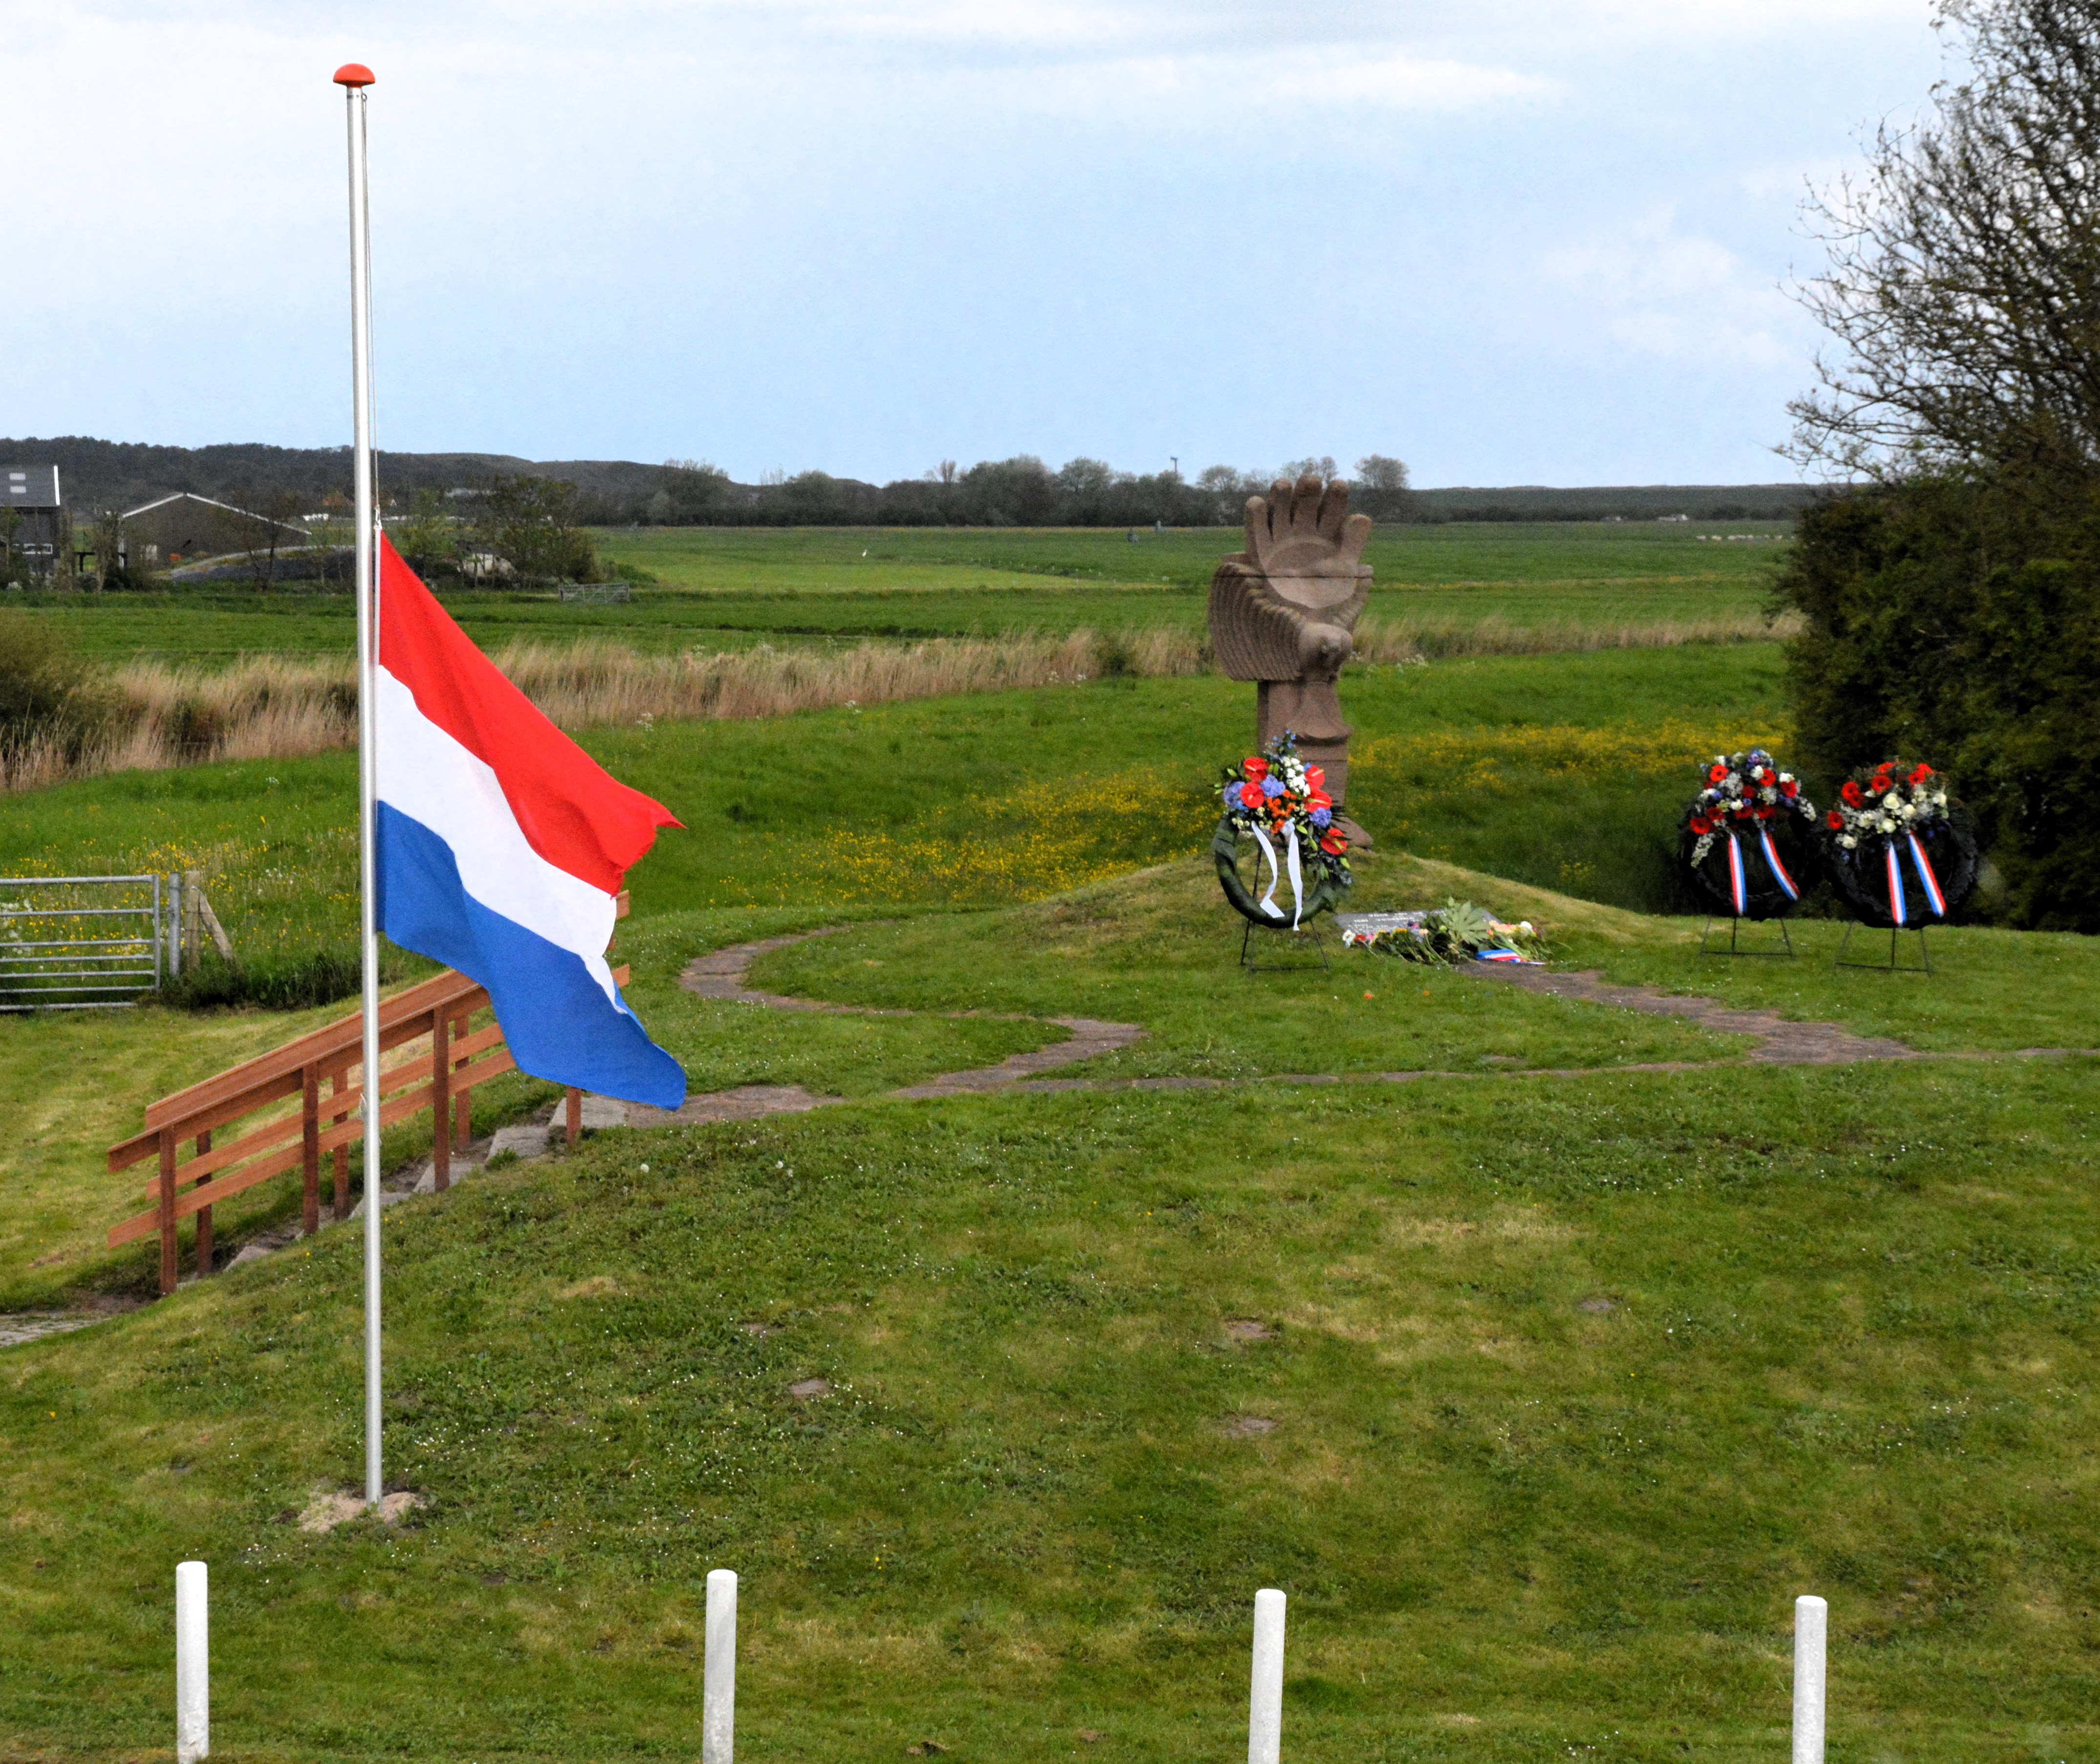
x: 1848, y: 842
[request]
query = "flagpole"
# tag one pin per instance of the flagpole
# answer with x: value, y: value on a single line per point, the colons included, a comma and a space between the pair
x: 354, y: 79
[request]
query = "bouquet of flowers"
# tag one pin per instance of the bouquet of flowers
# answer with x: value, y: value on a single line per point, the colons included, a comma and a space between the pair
x: 1456, y: 932
x: 1746, y: 808
x: 1743, y: 792
x: 1895, y: 815
x: 1886, y: 800
x: 1282, y: 804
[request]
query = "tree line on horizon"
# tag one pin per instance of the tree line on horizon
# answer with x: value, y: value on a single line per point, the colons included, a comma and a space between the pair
x: 107, y: 476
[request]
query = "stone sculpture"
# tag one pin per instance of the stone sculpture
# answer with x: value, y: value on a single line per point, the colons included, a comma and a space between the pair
x: 1282, y: 612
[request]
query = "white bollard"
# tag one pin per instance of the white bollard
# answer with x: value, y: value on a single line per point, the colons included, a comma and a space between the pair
x: 192, y: 1665
x: 718, y: 1671
x: 1265, y: 1700
x: 1811, y: 1625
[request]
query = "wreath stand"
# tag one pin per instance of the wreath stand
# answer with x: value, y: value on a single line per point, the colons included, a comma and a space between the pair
x: 1225, y: 848
x: 1735, y: 922
x: 1923, y: 965
x: 1319, y: 943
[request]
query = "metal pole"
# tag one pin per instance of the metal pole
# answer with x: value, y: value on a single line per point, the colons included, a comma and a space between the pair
x: 718, y: 1671
x: 1811, y: 1624
x: 193, y: 1663
x: 353, y: 80
x: 1265, y: 1700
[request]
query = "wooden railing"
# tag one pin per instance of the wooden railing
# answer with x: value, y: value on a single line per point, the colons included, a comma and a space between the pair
x: 323, y: 1071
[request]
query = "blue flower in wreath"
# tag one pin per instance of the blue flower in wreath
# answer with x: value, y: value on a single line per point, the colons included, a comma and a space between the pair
x: 1270, y: 786
x: 1322, y: 818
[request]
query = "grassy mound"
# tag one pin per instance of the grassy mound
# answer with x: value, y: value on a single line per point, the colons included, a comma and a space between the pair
x: 1541, y: 1401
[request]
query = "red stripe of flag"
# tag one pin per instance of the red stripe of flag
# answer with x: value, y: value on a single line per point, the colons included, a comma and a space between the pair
x: 571, y: 811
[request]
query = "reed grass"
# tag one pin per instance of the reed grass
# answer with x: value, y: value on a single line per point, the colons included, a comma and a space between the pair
x: 1405, y: 637
x: 275, y: 706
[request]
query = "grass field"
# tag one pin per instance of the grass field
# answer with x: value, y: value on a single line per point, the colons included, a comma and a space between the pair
x: 1541, y: 1383
x: 728, y: 588
x: 1571, y: 1384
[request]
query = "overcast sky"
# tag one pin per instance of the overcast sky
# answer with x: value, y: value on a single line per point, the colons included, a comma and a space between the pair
x: 1510, y: 242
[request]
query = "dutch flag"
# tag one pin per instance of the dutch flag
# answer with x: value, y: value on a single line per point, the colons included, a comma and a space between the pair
x: 502, y: 845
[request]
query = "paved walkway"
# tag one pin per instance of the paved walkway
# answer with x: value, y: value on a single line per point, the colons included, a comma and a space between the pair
x: 1775, y: 1041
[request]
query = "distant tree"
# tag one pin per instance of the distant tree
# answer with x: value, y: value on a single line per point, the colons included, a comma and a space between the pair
x: 1087, y: 490
x: 261, y: 525
x: 10, y: 524
x: 1016, y: 492
x: 428, y: 536
x: 530, y: 524
x: 1963, y: 281
x: 688, y: 492
x: 1382, y: 489
x: 1322, y: 467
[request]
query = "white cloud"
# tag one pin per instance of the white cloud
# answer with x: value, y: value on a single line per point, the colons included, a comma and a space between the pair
x: 1656, y: 291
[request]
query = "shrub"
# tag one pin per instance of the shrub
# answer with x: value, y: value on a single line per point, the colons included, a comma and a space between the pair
x: 1960, y: 621
x: 280, y: 983
x: 46, y: 696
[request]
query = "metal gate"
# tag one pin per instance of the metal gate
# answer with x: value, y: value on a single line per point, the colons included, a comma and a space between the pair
x: 78, y: 942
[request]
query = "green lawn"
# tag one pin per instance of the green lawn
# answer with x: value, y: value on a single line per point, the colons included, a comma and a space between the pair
x: 1572, y: 1375
x: 1839, y: 1355
x: 729, y: 588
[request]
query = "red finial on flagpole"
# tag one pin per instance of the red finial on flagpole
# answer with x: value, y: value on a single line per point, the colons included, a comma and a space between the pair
x: 354, y: 73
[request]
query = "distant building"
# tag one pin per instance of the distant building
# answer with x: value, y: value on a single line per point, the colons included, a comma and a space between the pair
x: 185, y: 528
x: 31, y: 493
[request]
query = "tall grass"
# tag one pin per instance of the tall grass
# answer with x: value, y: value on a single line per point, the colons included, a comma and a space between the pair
x: 278, y: 707
x: 284, y: 707
x: 1420, y: 637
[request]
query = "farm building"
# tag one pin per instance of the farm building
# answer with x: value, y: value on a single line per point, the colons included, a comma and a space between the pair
x: 34, y: 515
x: 185, y: 528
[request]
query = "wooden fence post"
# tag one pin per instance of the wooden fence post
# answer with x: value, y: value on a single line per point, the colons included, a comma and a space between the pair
x: 463, y: 1115
x: 168, y: 1270
x: 342, y: 1151
x: 310, y: 1113
x: 441, y: 1097
x: 204, y: 1215
x: 573, y: 1122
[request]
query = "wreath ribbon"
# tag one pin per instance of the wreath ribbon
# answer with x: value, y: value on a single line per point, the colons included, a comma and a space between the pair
x: 1738, y: 883
x: 1926, y: 875
x: 1778, y: 869
x: 1297, y: 873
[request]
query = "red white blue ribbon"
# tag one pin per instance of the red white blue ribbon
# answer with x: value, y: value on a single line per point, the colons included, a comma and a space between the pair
x: 1778, y: 869
x: 1925, y: 874
x: 1738, y: 886
x: 1898, y: 909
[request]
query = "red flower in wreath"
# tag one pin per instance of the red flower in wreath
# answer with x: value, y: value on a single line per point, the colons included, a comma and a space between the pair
x: 1742, y: 811
x: 1332, y: 844
x: 1834, y: 821
x: 1879, y: 784
x: 1256, y: 769
x: 1852, y: 794
x: 1789, y: 789
x: 1316, y: 778
x: 1767, y: 813
x: 1701, y: 826
x: 1250, y: 796
x: 1319, y: 800
x: 1716, y: 772
x: 1920, y: 776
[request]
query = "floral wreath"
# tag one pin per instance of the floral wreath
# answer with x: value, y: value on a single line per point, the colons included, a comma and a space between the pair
x: 1747, y: 798
x: 1282, y: 804
x: 1886, y: 814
